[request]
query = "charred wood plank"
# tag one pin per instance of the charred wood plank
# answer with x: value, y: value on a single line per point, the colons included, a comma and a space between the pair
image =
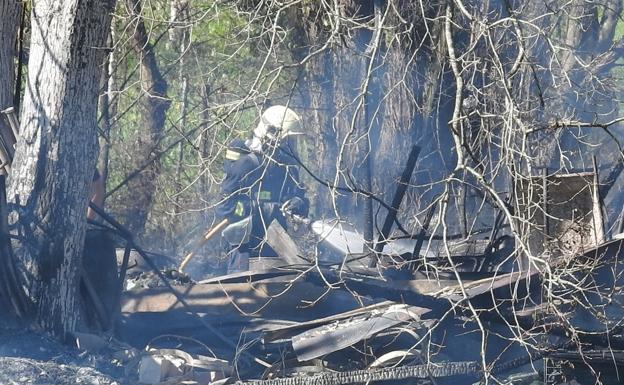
x: 436, y: 295
x: 366, y: 285
x: 282, y: 244
x: 95, y: 301
x: 251, y: 276
x: 396, y: 201
x: 593, y: 356
x: 436, y: 370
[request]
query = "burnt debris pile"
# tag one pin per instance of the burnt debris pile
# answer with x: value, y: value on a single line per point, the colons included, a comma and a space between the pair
x: 545, y: 307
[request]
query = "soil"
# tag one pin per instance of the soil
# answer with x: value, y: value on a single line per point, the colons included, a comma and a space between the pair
x: 30, y: 357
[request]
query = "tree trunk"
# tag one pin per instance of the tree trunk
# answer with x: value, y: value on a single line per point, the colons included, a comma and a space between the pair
x: 9, y: 19
x: 153, y: 108
x: 9, y: 23
x: 55, y: 157
x: 108, y: 109
x: 11, y: 294
x: 205, y: 149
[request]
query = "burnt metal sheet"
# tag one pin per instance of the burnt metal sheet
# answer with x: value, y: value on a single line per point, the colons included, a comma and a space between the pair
x: 281, y: 332
x: 338, y: 335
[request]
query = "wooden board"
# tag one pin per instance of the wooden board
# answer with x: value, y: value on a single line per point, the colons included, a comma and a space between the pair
x: 283, y: 245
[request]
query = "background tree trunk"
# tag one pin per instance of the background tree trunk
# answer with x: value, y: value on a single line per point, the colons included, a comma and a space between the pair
x: 9, y: 25
x: 108, y: 109
x: 153, y: 109
x: 10, y: 293
x: 55, y: 158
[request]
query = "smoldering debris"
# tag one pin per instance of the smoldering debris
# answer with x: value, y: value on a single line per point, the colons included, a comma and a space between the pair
x: 460, y: 310
x: 288, y: 318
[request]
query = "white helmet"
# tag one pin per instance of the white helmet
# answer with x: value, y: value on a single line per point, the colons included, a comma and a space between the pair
x: 278, y: 122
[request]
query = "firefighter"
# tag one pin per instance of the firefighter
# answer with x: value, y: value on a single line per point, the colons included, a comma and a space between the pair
x: 261, y: 185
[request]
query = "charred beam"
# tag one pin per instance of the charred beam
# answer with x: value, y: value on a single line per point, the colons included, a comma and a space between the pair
x: 396, y: 201
x: 437, y: 370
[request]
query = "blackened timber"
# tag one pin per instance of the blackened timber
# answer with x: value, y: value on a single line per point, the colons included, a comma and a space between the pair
x: 122, y: 277
x: 282, y: 244
x: 124, y: 266
x: 378, y: 289
x: 95, y: 300
x: 435, y: 370
x: 438, y: 296
x: 252, y: 276
x: 396, y: 201
x: 593, y: 356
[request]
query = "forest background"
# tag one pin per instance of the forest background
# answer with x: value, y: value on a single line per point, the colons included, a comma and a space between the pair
x: 492, y: 92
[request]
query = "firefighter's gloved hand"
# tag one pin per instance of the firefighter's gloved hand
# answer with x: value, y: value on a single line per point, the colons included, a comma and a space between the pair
x: 294, y: 206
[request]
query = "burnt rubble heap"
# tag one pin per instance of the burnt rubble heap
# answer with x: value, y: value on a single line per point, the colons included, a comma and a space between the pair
x: 463, y: 311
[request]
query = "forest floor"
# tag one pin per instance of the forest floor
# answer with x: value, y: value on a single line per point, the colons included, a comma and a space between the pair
x: 29, y: 357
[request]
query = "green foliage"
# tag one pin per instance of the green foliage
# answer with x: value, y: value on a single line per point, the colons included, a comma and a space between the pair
x: 219, y: 51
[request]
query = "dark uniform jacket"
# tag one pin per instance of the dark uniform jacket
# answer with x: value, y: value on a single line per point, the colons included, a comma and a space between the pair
x: 258, y: 185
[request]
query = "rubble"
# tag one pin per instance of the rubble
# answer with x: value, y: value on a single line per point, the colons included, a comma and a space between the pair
x: 469, y: 317
x: 172, y: 366
x: 364, y: 327
x: 148, y: 279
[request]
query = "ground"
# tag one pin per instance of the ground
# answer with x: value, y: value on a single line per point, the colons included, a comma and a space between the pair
x: 29, y: 357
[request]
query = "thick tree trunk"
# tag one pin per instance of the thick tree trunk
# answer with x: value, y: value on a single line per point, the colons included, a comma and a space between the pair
x: 153, y: 106
x: 54, y: 161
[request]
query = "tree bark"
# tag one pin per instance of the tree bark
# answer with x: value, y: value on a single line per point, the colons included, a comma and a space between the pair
x: 55, y: 157
x: 11, y: 295
x: 9, y: 24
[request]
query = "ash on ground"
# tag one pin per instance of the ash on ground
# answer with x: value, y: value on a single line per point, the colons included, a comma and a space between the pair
x: 150, y: 279
x: 29, y: 357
